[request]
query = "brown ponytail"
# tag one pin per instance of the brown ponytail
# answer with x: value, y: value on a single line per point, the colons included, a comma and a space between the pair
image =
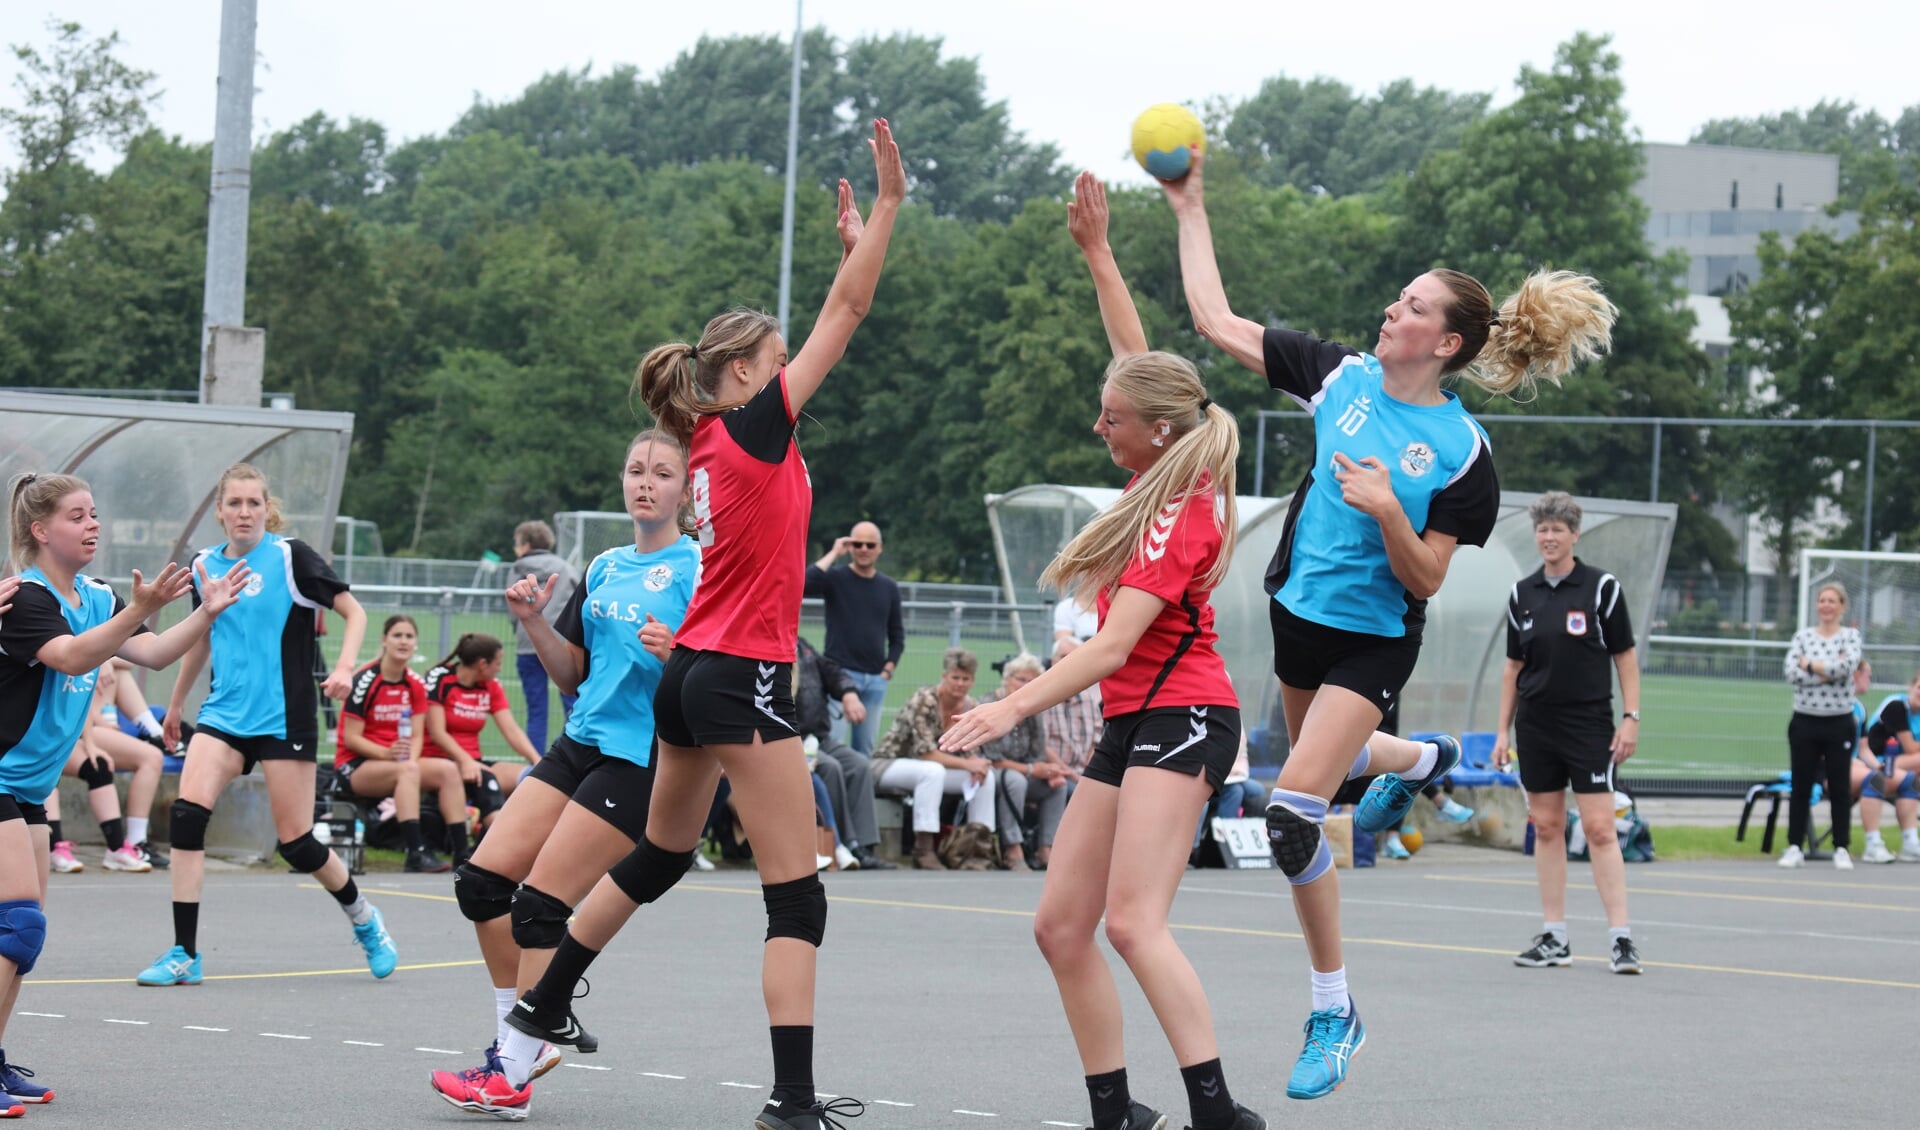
x: 679, y: 383
x: 471, y: 648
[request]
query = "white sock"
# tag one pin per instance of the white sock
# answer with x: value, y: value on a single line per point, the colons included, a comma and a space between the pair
x: 518, y: 1055
x: 360, y: 911
x: 1910, y: 837
x: 136, y: 829
x: 1330, y: 990
x: 1557, y: 929
x: 1615, y: 933
x: 1429, y: 757
x: 502, y: 1004
x: 149, y: 725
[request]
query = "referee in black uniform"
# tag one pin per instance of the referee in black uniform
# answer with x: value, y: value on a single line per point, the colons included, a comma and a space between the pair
x: 1567, y: 634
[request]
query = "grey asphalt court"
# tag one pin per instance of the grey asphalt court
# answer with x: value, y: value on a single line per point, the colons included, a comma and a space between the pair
x: 1771, y: 998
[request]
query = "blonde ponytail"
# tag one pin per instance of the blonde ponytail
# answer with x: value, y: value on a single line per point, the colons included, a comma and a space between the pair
x: 1205, y: 443
x: 1555, y: 321
x: 679, y: 383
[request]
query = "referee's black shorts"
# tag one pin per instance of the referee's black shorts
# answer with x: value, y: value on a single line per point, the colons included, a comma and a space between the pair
x: 1564, y: 745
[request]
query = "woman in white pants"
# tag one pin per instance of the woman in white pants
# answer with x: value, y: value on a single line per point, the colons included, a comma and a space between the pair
x: 909, y: 759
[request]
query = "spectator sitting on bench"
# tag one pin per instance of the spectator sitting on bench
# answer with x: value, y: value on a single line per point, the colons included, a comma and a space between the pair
x: 846, y: 773
x: 1073, y: 726
x: 1028, y: 772
x: 913, y: 761
x: 1889, y: 760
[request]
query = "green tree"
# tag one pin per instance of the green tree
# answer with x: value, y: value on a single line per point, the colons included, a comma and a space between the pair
x: 1319, y: 136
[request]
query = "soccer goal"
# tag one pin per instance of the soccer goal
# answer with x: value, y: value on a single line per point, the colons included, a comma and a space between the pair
x: 1883, y: 601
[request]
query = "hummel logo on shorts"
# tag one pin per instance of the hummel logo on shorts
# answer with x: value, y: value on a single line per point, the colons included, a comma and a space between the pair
x: 608, y: 803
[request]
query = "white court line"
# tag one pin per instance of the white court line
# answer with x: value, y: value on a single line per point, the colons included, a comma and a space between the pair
x: 440, y: 1051
x: 585, y: 1067
x: 978, y: 1113
x: 203, y: 1028
x: 662, y: 1075
x: 48, y: 1015
x: 283, y: 1036
x: 885, y: 1102
x: 111, y: 1020
x: 363, y: 1044
x: 743, y: 1086
x: 1048, y: 1123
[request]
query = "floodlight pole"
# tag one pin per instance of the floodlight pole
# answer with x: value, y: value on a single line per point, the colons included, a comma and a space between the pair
x: 793, y: 149
x: 230, y: 357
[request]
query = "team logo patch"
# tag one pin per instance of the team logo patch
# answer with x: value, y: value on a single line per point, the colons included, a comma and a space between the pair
x: 1416, y: 459
x: 255, y: 583
x: 1576, y: 623
x: 658, y: 578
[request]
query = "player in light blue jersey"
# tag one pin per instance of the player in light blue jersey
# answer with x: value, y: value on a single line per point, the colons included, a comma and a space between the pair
x: 1402, y: 476
x: 1888, y: 763
x: 262, y: 708
x: 57, y: 626
x: 584, y: 806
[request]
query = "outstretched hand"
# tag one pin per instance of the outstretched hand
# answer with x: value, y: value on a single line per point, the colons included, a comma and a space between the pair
x: 886, y: 164
x: 218, y: 596
x: 1087, y: 213
x: 986, y: 722
x: 849, y: 223
x: 172, y: 584
x: 1189, y: 192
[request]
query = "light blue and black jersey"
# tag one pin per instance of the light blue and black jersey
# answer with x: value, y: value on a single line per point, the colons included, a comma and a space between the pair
x: 43, y: 712
x: 614, y: 713
x: 263, y: 646
x: 1883, y: 727
x: 1331, y: 567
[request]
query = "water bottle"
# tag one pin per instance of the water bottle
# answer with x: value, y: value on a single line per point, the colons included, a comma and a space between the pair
x: 406, y: 727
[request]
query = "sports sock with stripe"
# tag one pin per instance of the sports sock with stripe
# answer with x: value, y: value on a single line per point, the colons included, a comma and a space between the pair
x: 1207, y: 1095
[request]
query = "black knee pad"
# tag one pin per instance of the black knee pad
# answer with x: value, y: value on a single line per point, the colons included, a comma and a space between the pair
x: 649, y: 871
x: 188, y: 827
x: 539, y: 919
x: 1299, y: 844
x: 96, y: 773
x: 797, y: 909
x: 305, y: 854
x: 483, y: 896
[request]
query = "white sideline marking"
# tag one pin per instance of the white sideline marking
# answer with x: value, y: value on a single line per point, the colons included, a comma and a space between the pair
x: 283, y: 1036
x: 1047, y: 1123
x: 363, y: 1044
x: 111, y: 1020
x: 439, y: 1051
x: 743, y: 1086
x: 48, y: 1015
x: 585, y: 1067
x: 978, y: 1113
x: 887, y: 1102
x: 660, y: 1075
x: 203, y: 1028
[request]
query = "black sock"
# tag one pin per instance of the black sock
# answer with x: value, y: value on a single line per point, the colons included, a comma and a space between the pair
x: 53, y: 827
x: 186, y: 926
x: 556, y: 985
x: 115, y: 832
x: 347, y: 895
x: 1207, y: 1095
x: 1109, y: 1095
x: 410, y: 832
x: 793, y: 1064
x: 457, y: 839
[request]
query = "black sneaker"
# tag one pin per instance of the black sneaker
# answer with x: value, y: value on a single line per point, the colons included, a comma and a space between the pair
x: 424, y: 862
x: 157, y: 858
x: 1626, y: 959
x: 555, y: 1026
x: 1140, y: 1116
x: 870, y: 861
x: 1546, y: 951
x: 1244, y: 1119
x: 819, y: 1116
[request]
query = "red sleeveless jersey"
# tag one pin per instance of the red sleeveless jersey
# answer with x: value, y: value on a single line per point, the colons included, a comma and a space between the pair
x: 752, y: 500
x: 1175, y: 663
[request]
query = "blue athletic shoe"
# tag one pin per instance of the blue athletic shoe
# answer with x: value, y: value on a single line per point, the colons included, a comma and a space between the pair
x: 14, y: 1085
x: 1332, y: 1041
x: 1388, y: 798
x: 173, y: 967
x: 373, y: 938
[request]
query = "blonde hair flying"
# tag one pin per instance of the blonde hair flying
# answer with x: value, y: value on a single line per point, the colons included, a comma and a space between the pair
x: 1554, y: 322
x: 1204, y: 440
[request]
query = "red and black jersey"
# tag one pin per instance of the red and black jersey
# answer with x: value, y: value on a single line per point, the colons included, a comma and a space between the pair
x: 1175, y: 662
x: 751, y: 501
x: 378, y: 704
x: 467, y: 708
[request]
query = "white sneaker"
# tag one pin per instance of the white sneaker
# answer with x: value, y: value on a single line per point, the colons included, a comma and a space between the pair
x: 1876, y: 851
x: 128, y: 858
x: 845, y: 858
x: 61, y: 861
x: 822, y: 862
x: 701, y: 862
x: 1841, y: 860
x: 1909, y: 853
x: 1792, y: 857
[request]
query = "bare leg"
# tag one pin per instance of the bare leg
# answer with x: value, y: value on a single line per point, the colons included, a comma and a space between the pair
x: 20, y: 842
x: 1071, y: 903
x: 1603, y: 849
x: 526, y: 820
x: 290, y: 787
x: 1549, y: 812
x: 576, y: 854
x: 683, y: 784
x: 1333, y: 724
x: 211, y: 765
x: 774, y: 793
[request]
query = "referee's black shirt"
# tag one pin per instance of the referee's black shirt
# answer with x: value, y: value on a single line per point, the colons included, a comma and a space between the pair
x: 1565, y: 635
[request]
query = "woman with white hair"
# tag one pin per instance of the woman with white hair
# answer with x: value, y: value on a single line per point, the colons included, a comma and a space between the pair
x: 1027, y: 772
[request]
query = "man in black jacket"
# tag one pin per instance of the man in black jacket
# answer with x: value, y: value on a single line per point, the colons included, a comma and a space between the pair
x: 846, y: 773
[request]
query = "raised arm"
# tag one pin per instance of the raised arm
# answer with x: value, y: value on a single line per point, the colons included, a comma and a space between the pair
x: 1087, y: 223
x: 1206, y: 294
x: 852, y: 294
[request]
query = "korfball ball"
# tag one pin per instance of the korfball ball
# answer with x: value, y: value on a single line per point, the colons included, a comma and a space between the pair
x: 1411, y: 839
x: 1165, y: 138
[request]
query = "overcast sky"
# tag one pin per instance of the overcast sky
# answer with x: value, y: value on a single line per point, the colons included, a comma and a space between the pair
x: 1072, y: 71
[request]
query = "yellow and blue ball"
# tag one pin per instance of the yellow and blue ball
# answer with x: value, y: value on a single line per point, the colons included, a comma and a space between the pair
x: 1165, y: 138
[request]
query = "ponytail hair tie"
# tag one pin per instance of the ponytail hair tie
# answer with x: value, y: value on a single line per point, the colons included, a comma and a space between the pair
x: 1206, y: 402
x: 1494, y: 322
x: 693, y: 354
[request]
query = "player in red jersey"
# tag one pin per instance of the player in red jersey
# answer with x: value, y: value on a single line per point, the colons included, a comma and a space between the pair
x: 382, y: 728
x: 1149, y: 564
x: 463, y: 691
x: 725, y: 699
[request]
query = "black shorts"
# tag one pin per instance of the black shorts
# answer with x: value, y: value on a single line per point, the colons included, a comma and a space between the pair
x: 712, y: 698
x: 1185, y: 739
x: 253, y: 750
x: 485, y: 795
x: 13, y: 808
x: 1562, y: 746
x: 1308, y: 656
x: 612, y: 788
